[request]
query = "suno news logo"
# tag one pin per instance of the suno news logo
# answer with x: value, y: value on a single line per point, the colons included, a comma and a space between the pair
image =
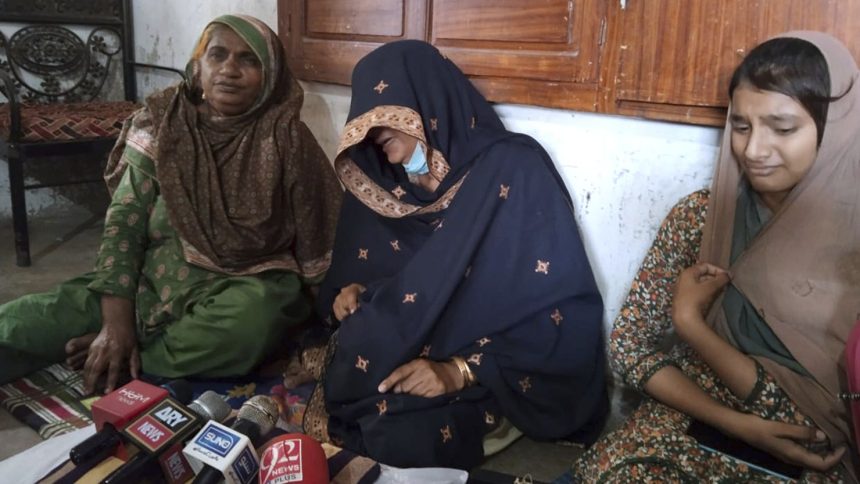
x: 216, y: 440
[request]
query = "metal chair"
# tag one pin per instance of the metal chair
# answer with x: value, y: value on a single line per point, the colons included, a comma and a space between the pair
x: 57, y: 71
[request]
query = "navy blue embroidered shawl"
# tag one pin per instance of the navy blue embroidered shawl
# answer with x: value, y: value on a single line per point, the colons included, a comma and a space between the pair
x: 489, y: 267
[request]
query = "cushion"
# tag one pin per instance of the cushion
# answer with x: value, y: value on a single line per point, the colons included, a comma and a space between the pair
x: 68, y: 122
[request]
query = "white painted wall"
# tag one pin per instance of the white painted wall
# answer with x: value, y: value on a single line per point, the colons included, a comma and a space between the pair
x: 165, y: 31
x: 624, y: 174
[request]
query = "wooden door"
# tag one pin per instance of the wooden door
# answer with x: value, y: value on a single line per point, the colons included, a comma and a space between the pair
x: 540, y: 52
x: 325, y: 38
x: 673, y: 59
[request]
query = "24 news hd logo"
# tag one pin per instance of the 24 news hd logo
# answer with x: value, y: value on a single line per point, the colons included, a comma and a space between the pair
x: 282, y: 462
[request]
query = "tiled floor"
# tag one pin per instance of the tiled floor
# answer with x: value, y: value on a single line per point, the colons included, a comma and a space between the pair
x: 64, y: 245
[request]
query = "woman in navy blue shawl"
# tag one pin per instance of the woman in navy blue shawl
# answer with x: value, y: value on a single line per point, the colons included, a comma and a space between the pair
x: 488, y: 267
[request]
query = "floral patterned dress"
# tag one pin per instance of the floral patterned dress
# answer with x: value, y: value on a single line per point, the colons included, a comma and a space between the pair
x: 190, y: 321
x: 140, y: 257
x: 652, y: 445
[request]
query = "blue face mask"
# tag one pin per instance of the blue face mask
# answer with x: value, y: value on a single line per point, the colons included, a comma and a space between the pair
x: 417, y: 164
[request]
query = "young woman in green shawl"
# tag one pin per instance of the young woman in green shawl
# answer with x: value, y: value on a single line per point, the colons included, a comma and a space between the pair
x: 223, y: 207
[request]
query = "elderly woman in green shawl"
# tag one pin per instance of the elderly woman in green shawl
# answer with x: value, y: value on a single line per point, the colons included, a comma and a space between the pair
x: 223, y: 207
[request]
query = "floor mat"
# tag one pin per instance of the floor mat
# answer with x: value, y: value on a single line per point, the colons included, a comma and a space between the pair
x: 51, y: 400
x: 48, y: 401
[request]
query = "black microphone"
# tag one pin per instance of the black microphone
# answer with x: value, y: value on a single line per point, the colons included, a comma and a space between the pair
x: 233, y: 459
x: 173, y: 463
x: 163, y: 426
x: 180, y: 390
x: 122, y: 405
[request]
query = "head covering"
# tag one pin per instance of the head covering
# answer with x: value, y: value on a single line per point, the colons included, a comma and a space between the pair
x: 246, y: 193
x: 411, y: 87
x: 490, y: 267
x: 802, y: 270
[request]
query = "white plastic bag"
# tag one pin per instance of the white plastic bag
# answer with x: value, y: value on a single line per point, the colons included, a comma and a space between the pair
x: 421, y: 475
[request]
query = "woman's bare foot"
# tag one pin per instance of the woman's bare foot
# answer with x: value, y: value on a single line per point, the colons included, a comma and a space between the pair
x: 77, y: 349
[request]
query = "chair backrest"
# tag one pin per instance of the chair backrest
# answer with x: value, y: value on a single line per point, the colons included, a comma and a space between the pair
x: 62, y: 51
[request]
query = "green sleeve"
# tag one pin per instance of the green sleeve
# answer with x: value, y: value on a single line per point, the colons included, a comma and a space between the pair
x: 125, y: 240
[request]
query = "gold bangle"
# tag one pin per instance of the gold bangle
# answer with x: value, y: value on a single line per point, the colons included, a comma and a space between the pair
x: 468, y: 377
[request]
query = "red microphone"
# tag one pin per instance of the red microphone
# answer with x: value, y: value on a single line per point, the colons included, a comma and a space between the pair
x: 293, y: 458
x: 123, y: 404
x: 115, y: 410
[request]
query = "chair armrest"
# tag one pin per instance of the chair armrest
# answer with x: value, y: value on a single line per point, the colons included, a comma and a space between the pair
x: 14, y: 106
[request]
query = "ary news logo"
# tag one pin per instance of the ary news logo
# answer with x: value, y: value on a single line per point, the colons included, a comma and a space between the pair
x: 282, y: 462
x: 175, y: 466
x: 172, y: 415
x: 149, y: 432
x: 216, y: 440
x: 160, y: 424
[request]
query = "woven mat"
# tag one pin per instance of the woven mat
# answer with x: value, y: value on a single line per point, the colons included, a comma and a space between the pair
x: 51, y: 401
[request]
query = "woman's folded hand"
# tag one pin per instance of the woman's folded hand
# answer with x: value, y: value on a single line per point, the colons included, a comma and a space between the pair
x: 787, y: 442
x: 115, y: 347
x: 346, y: 301
x: 424, y: 378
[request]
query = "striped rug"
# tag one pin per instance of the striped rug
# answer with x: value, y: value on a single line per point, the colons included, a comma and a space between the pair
x: 48, y: 401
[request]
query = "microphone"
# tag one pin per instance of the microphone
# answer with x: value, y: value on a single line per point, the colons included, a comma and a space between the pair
x: 162, y: 427
x: 219, y: 452
x: 173, y: 463
x: 293, y: 458
x: 116, y: 409
x: 120, y: 406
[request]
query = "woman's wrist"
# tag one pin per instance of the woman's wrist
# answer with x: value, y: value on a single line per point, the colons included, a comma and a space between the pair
x: 731, y: 422
x: 117, y: 312
x: 468, y: 376
x: 686, y: 325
